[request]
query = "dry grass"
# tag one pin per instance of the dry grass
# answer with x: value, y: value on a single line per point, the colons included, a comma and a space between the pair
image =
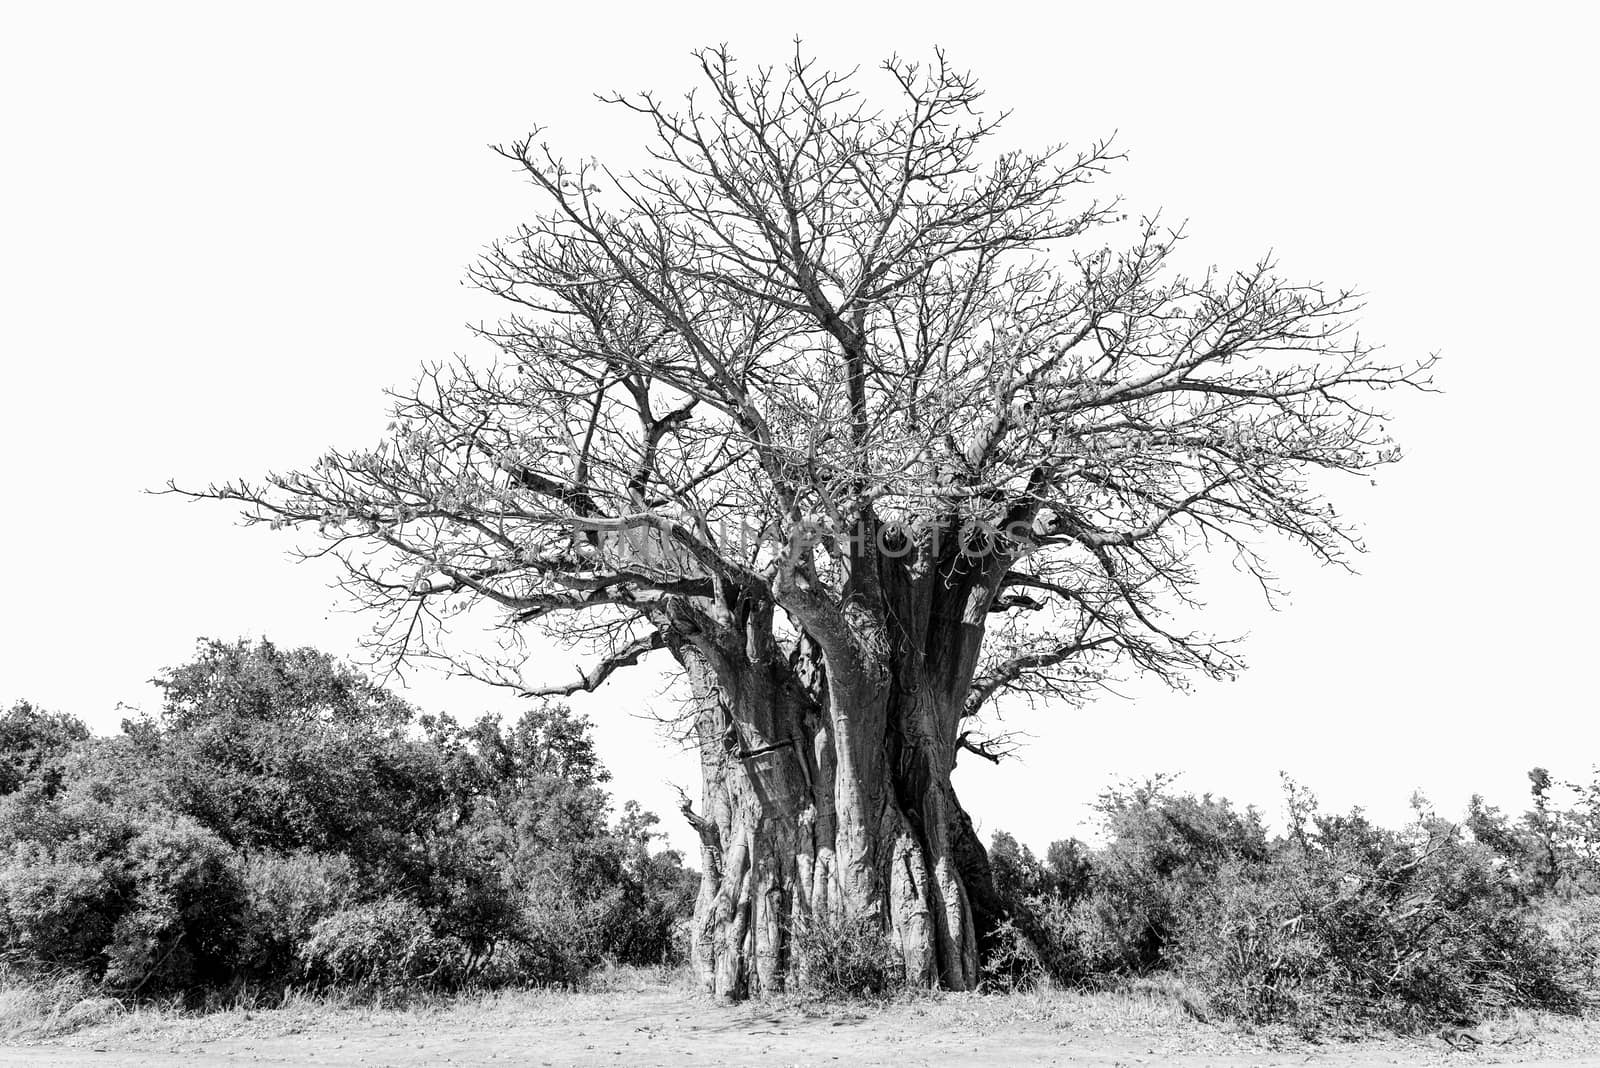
x: 622, y: 1002
x: 37, y: 1011
x: 30, y: 1012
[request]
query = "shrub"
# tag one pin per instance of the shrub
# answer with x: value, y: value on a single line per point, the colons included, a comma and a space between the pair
x: 1089, y: 940
x: 1013, y: 964
x: 384, y: 944
x: 183, y: 928
x: 286, y: 896
x: 1573, y: 927
x: 1423, y: 925
x: 846, y: 958
x: 1246, y: 942
x: 33, y: 745
x: 278, y: 821
x: 146, y: 903
x: 1341, y: 921
x: 554, y: 916
x: 288, y: 750
x: 529, y: 961
x: 57, y: 913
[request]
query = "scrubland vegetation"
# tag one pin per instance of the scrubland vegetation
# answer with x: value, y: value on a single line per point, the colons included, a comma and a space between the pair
x: 283, y: 828
x: 284, y: 823
x: 1337, y: 922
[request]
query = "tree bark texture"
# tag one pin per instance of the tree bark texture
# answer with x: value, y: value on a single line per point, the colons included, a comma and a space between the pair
x: 826, y: 786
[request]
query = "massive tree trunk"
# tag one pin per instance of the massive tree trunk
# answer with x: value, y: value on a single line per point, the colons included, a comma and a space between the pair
x: 766, y: 823
x: 790, y: 834
x: 827, y: 794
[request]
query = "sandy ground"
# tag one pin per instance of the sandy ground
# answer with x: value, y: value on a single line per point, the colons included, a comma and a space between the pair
x: 660, y: 1025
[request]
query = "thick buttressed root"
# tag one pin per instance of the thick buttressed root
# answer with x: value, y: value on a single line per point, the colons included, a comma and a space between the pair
x: 790, y: 833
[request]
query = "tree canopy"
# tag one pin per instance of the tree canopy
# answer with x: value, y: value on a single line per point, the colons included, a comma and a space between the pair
x: 812, y: 314
x: 848, y: 399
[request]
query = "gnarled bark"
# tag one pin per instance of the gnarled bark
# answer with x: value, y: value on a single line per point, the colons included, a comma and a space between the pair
x: 784, y: 842
x: 827, y: 791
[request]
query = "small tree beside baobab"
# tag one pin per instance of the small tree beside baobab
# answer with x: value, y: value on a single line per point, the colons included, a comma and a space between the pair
x: 865, y: 425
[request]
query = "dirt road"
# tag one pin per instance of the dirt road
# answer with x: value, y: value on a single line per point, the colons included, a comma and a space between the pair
x: 665, y: 1027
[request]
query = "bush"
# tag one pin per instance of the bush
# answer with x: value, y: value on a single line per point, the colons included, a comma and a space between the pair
x: 144, y: 903
x: 384, y: 944
x: 57, y: 913
x: 846, y: 958
x: 392, y: 944
x: 1339, y: 922
x: 33, y: 745
x: 279, y: 822
x: 1574, y: 930
x: 577, y: 924
x: 1422, y: 926
x: 286, y: 896
x: 1246, y: 943
x: 282, y: 751
x: 1013, y: 964
x: 529, y: 961
x: 183, y: 928
x: 1090, y: 940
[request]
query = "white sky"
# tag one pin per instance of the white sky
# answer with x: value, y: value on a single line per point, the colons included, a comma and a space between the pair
x: 224, y: 231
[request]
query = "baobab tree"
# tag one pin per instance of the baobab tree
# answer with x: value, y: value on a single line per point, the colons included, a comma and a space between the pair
x: 864, y: 424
